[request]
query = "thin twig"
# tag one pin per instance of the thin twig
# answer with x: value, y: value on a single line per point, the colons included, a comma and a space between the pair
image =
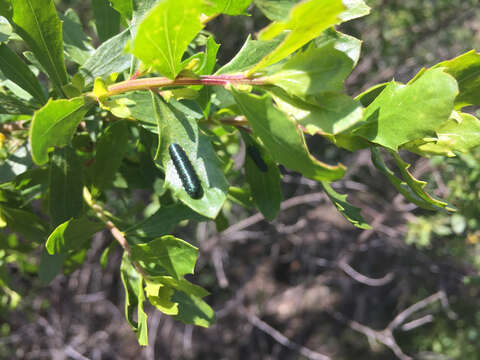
x: 385, y: 336
x: 354, y: 274
x: 282, y: 339
x: 295, y: 201
x: 405, y: 314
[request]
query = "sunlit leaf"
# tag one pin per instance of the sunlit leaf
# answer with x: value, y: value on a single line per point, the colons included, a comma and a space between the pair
x: 402, y: 113
x: 283, y: 139
x: 164, y: 35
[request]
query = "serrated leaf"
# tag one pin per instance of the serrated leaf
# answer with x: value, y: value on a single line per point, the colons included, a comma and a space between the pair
x: 265, y: 185
x: 65, y: 185
x: 124, y: 7
x: 76, y: 43
x: 460, y: 133
x: 418, y: 186
x: 403, y: 113
x: 54, y: 125
x: 134, y: 298
x: 183, y: 130
x: 229, y: 7
x: 307, y: 20
x: 466, y: 70
x: 249, y: 55
x: 367, y: 97
x: 283, y: 139
x: 401, y: 185
x: 108, y: 58
x: 15, y: 69
x: 350, y: 212
x: 314, y: 71
x: 110, y: 150
x: 164, y: 34
x: 37, y: 22
x: 176, y: 256
x: 164, y: 220
x: 71, y: 235
x: 327, y: 114
x: 107, y: 20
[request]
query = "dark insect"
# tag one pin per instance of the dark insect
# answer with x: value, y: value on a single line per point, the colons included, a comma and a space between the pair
x: 257, y: 158
x: 186, y: 172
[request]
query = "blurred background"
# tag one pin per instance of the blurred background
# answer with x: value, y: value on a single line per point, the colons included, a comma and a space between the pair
x: 307, y: 283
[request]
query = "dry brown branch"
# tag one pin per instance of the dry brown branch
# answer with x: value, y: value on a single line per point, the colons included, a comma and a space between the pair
x: 354, y: 274
x: 282, y: 339
x: 295, y: 201
x: 385, y: 336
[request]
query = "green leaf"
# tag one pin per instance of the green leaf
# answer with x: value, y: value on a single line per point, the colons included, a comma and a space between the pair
x: 314, y: 71
x: 160, y: 296
x: 249, y: 55
x: 183, y: 130
x: 37, y: 22
x: 66, y: 186
x: 76, y: 43
x: 10, y: 104
x: 327, y: 114
x: 108, y: 58
x: 107, y: 20
x: 15, y: 69
x: 180, y: 285
x: 355, y: 9
x: 71, y: 235
x: 347, y: 44
x: 402, y: 186
x: 193, y: 310
x: 307, y: 20
x: 50, y: 266
x: 418, y: 186
x: 265, y: 185
x: 110, y: 150
x: 23, y: 222
x: 402, y: 113
x: 176, y: 256
x: 367, y: 97
x: 466, y: 70
x: 175, y: 297
x: 6, y: 8
x: 228, y: 7
x: 210, y: 58
x: 16, y: 164
x: 54, y: 125
x: 124, y: 7
x: 276, y: 10
x: 350, y: 212
x: 164, y: 35
x: 283, y: 139
x: 134, y: 298
x: 164, y: 220
x: 460, y: 133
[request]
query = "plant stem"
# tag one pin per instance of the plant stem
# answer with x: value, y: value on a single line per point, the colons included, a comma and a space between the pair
x: 159, y: 82
x: 115, y: 231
